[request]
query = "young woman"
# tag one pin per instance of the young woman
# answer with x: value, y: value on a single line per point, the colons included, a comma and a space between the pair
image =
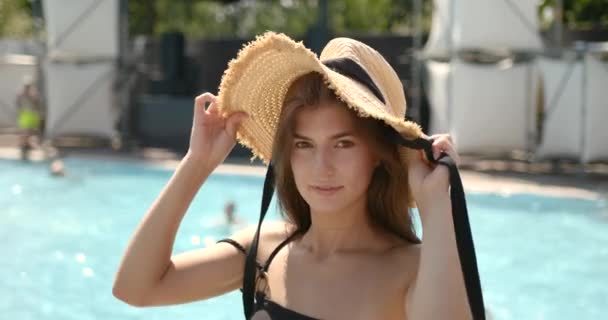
x: 347, y: 248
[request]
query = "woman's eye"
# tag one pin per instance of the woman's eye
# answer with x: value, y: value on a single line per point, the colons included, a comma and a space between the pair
x: 345, y: 144
x: 302, y: 144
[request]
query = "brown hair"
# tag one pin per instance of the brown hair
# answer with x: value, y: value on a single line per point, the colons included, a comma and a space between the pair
x: 388, y: 190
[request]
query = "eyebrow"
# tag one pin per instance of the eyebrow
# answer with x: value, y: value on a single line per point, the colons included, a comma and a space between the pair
x: 335, y: 136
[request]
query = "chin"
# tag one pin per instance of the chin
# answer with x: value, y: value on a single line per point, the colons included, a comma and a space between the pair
x: 326, y: 206
x: 325, y: 209
x: 331, y: 204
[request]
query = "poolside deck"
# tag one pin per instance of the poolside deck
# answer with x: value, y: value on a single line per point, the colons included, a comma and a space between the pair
x: 478, y: 174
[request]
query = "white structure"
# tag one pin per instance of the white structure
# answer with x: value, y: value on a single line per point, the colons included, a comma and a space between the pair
x: 80, y: 68
x: 576, y: 103
x: 80, y: 99
x: 595, y: 116
x: 483, y: 24
x: 437, y: 89
x: 492, y: 107
x: 13, y: 70
x: 439, y: 42
x: 562, y: 126
x: 82, y: 27
x: 487, y: 107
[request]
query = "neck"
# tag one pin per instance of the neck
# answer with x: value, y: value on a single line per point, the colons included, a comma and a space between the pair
x: 334, y: 232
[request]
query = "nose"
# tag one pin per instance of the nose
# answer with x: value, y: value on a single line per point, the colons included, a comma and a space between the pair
x: 324, y: 164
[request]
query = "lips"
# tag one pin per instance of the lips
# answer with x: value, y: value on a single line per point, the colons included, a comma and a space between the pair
x: 326, y: 190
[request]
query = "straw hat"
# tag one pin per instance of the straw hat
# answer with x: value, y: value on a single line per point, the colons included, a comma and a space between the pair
x: 258, y: 79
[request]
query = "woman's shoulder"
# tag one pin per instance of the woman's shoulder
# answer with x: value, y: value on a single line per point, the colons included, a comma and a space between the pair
x: 391, y: 252
x: 271, y: 233
x: 407, y: 253
x: 403, y: 259
x: 279, y: 228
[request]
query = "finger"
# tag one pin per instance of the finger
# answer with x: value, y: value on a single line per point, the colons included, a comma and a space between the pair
x: 202, y: 100
x: 439, y: 145
x: 450, y: 138
x: 443, y: 136
x: 234, y: 122
x: 200, y: 103
x: 451, y: 153
x: 436, y: 138
x: 454, y: 155
x: 443, y: 145
x: 213, y: 108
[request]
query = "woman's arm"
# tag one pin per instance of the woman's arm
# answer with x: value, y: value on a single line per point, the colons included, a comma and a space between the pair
x: 147, y: 274
x: 438, y: 290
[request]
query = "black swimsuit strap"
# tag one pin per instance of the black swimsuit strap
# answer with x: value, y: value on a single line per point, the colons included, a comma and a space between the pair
x: 277, y: 249
x: 239, y: 247
x: 234, y: 244
x: 249, y: 276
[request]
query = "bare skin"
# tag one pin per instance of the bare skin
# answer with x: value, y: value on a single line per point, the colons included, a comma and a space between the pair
x: 341, y: 268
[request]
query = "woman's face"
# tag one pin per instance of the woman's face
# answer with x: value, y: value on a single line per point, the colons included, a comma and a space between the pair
x: 332, y: 163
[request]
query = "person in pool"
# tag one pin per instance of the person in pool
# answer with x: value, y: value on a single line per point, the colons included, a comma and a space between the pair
x: 347, y: 247
x: 230, y: 216
x: 57, y: 168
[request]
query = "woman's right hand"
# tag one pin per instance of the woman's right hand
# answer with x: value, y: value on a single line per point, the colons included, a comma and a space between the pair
x: 213, y: 135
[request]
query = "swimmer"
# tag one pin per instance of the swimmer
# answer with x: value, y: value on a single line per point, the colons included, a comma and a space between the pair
x: 57, y: 168
x: 229, y: 214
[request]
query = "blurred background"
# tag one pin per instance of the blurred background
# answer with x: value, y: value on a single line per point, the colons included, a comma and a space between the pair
x: 146, y: 60
x: 96, y: 100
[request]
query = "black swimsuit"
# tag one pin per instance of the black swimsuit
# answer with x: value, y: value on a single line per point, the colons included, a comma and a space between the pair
x: 273, y: 309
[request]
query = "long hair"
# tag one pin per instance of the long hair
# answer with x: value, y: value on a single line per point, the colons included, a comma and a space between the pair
x: 387, y: 194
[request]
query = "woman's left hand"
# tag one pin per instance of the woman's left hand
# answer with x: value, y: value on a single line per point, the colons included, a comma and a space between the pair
x: 428, y: 181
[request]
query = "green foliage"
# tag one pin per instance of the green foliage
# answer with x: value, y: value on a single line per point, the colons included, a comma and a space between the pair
x: 360, y: 16
x: 16, y: 19
x: 582, y: 14
x: 142, y: 16
x: 214, y: 19
x: 587, y: 13
x: 245, y: 18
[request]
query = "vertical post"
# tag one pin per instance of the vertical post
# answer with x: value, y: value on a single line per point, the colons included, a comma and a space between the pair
x: 451, y: 57
x: 318, y: 34
x: 38, y: 20
x: 123, y: 90
x: 531, y: 103
x: 415, y: 61
x: 123, y: 29
x: 559, y: 23
x: 323, y: 15
x: 582, y: 54
x: 323, y: 24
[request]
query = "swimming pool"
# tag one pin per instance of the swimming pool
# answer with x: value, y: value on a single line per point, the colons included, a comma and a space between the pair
x: 62, y: 238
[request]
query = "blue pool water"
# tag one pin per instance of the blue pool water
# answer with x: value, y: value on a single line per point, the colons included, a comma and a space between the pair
x: 61, y: 241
